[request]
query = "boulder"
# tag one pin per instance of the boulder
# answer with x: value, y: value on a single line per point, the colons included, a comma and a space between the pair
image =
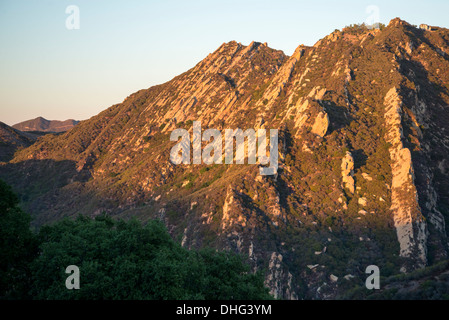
x: 321, y: 124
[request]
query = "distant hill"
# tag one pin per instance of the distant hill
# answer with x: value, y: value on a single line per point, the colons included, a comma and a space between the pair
x: 44, y: 125
x: 12, y: 139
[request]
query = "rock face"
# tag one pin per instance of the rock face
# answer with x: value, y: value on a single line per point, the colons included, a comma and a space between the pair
x: 347, y: 172
x: 408, y: 220
x: 363, y: 175
x: 279, y: 280
x: 427, y: 27
x: 321, y: 124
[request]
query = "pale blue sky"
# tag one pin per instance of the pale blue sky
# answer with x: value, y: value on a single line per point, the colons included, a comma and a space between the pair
x: 123, y: 46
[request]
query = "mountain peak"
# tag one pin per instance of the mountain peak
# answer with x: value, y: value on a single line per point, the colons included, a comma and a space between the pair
x: 398, y: 22
x: 43, y: 125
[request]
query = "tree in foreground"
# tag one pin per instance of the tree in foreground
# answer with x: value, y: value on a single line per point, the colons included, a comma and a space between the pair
x: 125, y: 260
x: 18, y: 246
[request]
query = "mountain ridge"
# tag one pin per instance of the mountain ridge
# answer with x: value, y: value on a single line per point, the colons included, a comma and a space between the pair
x: 41, y: 124
x: 11, y: 140
x: 362, y: 119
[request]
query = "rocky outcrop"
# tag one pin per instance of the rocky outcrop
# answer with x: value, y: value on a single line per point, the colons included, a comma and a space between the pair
x: 321, y: 124
x: 347, y: 172
x: 278, y: 279
x: 231, y: 211
x: 302, y: 114
x: 408, y: 220
x: 280, y: 80
x: 427, y: 27
x: 317, y: 93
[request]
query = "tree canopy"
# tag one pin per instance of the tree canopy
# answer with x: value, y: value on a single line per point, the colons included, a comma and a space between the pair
x: 117, y: 259
x: 125, y: 260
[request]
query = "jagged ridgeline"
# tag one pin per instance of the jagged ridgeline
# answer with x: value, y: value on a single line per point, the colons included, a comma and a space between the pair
x: 363, y: 175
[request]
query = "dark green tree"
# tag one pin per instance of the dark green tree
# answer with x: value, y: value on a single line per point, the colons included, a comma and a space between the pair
x: 125, y: 260
x: 18, y: 246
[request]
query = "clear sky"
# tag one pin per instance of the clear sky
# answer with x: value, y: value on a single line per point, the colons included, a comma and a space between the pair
x: 122, y: 46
